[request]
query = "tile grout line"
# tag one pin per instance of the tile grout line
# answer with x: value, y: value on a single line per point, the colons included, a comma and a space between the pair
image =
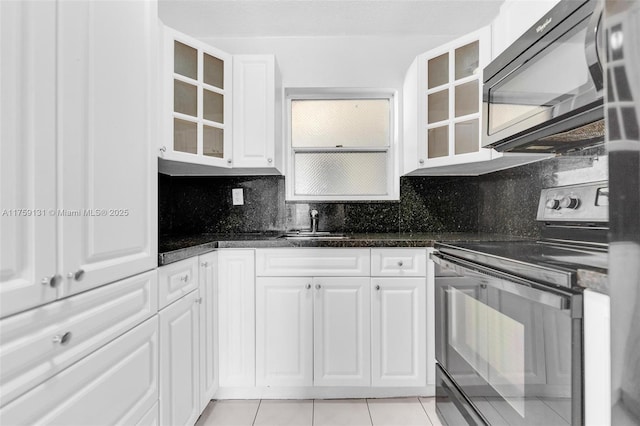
x: 425, y: 411
x: 255, y: 417
x: 366, y: 401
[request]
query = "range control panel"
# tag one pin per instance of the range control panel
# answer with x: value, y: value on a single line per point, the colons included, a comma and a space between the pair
x: 588, y: 202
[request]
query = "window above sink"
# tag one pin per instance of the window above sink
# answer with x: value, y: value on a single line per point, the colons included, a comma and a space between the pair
x: 341, y: 145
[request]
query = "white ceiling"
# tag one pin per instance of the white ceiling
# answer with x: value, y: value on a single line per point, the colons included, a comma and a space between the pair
x: 326, y: 18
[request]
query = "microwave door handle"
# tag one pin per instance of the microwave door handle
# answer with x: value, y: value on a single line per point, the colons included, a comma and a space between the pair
x: 592, y: 44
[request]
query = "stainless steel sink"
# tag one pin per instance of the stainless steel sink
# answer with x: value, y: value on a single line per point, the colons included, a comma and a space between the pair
x: 319, y: 235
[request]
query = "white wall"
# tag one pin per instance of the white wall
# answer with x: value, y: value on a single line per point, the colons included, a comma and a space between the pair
x: 514, y: 18
x: 337, y: 61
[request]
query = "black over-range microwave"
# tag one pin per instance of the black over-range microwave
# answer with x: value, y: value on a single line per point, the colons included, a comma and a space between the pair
x: 544, y: 93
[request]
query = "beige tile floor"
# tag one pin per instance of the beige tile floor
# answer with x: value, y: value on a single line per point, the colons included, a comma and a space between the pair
x: 321, y: 412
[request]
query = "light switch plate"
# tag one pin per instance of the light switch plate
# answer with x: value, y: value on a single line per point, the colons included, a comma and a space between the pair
x: 238, y: 197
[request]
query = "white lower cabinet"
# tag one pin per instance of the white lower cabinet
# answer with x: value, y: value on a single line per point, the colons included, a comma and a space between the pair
x: 284, y: 331
x: 237, y: 321
x: 315, y: 328
x: 208, y: 289
x: 117, y: 384
x: 152, y: 418
x: 312, y: 331
x: 37, y: 344
x: 398, y: 332
x: 179, y: 361
x: 342, y: 331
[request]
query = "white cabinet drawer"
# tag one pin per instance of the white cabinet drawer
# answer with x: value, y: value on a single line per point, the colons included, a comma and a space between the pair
x: 176, y: 280
x: 397, y: 262
x: 317, y: 262
x: 30, y: 346
x: 117, y: 384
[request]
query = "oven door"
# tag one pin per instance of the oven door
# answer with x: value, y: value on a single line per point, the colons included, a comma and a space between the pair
x: 511, y: 349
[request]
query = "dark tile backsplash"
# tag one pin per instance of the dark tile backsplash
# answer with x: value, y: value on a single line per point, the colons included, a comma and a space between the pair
x: 503, y: 202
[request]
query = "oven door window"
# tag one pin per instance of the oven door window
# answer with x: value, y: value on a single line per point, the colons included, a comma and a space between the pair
x: 544, y: 87
x: 509, y: 353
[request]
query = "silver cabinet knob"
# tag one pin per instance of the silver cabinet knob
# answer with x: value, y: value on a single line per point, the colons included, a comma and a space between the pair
x: 204, y: 264
x: 269, y: 160
x: 308, y: 286
x: 421, y: 161
x: 229, y: 161
x: 62, y: 339
x: 162, y: 149
x: 199, y: 300
x: 77, y: 275
x: 53, y: 281
x: 318, y: 286
x: 377, y: 287
x: 400, y: 263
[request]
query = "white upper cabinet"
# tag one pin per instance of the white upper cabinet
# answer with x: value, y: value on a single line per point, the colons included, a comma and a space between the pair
x: 257, y: 105
x: 196, y: 87
x: 107, y: 125
x: 78, y: 119
x: 28, y: 272
x: 442, y: 105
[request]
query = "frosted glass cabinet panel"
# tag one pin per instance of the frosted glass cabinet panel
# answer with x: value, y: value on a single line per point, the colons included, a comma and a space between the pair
x: 340, y: 122
x: 467, y: 62
x: 198, y: 102
x: 438, y: 71
x: 438, y: 106
x: 438, y: 142
x: 185, y: 60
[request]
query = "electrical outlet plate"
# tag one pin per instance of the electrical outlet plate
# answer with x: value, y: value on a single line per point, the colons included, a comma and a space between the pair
x: 238, y: 197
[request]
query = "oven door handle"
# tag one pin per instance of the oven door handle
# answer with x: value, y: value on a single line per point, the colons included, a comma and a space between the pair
x: 505, y: 282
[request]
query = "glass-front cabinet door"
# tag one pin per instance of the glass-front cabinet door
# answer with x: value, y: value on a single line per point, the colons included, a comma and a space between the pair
x: 197, y: 97
x: 442, y: 104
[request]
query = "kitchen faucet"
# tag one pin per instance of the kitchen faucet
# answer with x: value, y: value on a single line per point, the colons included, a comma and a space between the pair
x: 314, y: 221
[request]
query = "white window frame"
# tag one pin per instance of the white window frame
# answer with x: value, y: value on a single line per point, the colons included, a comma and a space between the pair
x: 392, y: 168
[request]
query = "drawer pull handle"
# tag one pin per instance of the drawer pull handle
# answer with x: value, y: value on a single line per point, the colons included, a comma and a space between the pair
x: 77, y: 275
x: 308, y: 286
x: 199, y: 300
x: 205, y: 264
x: 400, y: 263
x: 318, y: 286
x: 53, y: 281
x: 377, y: 287
x: 185, y: 278
x: 62, y: 339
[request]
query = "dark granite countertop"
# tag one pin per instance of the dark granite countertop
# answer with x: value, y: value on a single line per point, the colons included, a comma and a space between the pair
x: 173, y: 249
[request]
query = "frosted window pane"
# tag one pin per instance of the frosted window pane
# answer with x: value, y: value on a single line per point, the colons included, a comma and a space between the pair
x: 341, y: 173
x: 213, y: 141
x: 185, y: 136
x: 185, y: 60
x: 348, y: 123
